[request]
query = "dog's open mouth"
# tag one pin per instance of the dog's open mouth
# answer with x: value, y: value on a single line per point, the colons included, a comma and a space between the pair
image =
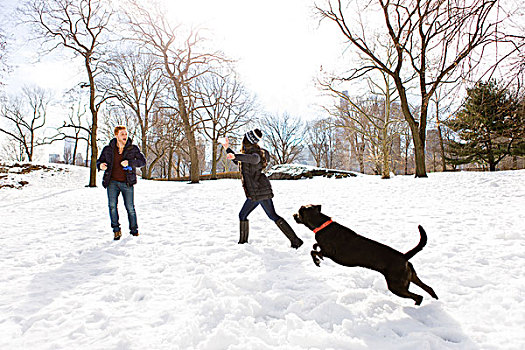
x: 297, y: 218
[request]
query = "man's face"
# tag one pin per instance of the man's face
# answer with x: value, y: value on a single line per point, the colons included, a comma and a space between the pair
x: 122, y: 136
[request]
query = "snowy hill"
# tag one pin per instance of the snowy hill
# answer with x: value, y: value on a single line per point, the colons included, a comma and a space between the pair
x: 185, y: 283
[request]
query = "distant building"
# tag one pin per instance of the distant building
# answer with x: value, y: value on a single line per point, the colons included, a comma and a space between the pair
x: 54, y: 158
x: 69, y: 146
x: 305, y: 157
x: 79, y: 160
x: 433, y: 150
x: 397, y: 160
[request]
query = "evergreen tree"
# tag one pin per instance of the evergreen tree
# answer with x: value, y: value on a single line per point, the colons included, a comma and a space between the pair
x: 490, y: 127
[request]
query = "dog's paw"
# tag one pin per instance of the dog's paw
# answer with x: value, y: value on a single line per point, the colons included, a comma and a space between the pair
x: 315, y: 256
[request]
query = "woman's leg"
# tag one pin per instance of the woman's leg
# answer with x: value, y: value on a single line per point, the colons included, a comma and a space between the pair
x: 247, y: 208
x: 281, y: 223
x: 244, y: 227
x: 269, y: 209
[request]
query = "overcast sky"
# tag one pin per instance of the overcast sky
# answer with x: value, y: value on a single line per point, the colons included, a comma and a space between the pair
x: 278, y: 44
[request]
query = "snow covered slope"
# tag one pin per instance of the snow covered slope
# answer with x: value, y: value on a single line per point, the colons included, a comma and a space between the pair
x: 185, y: 283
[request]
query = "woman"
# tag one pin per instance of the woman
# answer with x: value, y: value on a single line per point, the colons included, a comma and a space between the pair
x: 252, y: 160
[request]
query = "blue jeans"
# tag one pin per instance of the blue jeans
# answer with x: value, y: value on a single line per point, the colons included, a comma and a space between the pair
x: 250, y: 205
x: 114, y: 189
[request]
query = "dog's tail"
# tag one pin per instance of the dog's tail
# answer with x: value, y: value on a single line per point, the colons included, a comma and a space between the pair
x: 421, y: 244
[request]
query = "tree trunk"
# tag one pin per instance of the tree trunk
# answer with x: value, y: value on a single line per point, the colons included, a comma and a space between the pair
x: 94, y: 112
x: 418, y: 130
x: 152, y: 165
x: 407, y: 144
x: 419, y: 151
x: 73, y: 162
x: 214, y: 159
x: 384, y: 139
x: 170, y: 163
x: 419, y: 148
x: 361, y: 156
x: 146, y: 171
x: 190, y: 135
x: 87, y: 153
x: 32, y: 146
x: 386, y: 162
x: 442, y: 149
x: 178, y: 164
x: 492, y: 162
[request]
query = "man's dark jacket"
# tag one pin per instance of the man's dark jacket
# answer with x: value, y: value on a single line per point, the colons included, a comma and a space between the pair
x: 256, y: 185
x: 131, y: 153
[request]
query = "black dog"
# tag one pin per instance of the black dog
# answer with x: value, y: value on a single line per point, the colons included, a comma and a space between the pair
x: 347, y: 248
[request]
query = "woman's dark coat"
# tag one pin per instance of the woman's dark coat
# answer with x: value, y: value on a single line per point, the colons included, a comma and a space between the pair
x: 256, y: 185
x: 131, y: 153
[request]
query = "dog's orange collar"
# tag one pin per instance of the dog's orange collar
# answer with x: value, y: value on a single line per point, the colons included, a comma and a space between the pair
x: 323, y: 226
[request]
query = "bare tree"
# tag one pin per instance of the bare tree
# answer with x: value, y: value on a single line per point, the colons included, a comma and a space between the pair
x: 442, y: 110
x: 76, y: 128
x: 284, y: 135
x: 428, y: 35
x: 3, y: 61
x: 375, y: 117
x: 326, y: 143
x: 317, y: 139
x: 12, y: 150
x: 182, y: 60
x: 227, y: 107
x: 78, y: 114
x: 510, y: 64
x: 3, y: 46
x: 136, y: 80
x: 78, y: 26
x: 26, y: 116
x: 406, y: 148
x: 174, y: 140
x: 356, y: 140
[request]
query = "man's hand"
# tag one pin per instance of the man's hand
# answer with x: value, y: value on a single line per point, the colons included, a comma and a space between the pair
x: 124, y: 163
x: 230, y: 156
x: 103, y: 166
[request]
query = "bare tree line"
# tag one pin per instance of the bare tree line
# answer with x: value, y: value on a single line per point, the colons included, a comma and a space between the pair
x: 173, y: 93
x: 428, y: 44
x: 178, y: 97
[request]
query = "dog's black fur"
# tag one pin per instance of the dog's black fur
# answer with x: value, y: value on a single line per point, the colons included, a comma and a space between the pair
x: 347, y: 248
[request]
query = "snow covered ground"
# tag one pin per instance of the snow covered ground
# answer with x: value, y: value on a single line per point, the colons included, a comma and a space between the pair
x: 185, y: 283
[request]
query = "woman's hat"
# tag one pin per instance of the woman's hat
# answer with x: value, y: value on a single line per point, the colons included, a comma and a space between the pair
x: 253, y: 136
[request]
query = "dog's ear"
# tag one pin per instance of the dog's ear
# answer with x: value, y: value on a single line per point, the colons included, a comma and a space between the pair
x: 317, y: 207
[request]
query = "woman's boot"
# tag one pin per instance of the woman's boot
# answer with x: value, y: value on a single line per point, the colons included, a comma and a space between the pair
x: 289, y: 233
x: 244, y: 228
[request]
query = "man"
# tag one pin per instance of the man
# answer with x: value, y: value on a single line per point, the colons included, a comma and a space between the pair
x: 119, y: 160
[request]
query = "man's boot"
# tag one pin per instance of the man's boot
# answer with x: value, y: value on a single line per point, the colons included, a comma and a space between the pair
x: 117, y: 235
x: 245, y: 229
x: 289, y: 233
